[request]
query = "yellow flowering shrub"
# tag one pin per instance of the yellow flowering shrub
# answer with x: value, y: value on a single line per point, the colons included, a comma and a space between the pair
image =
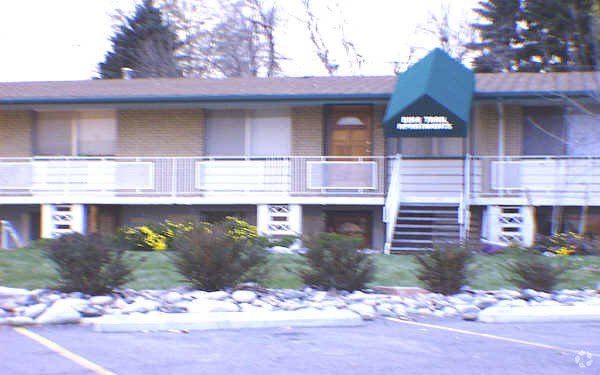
x: 160, y: 236
x: 565, y: 244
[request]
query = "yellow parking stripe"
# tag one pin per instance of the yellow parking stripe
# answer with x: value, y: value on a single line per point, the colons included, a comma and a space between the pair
x: 494, y: 337
x: 64, y: 352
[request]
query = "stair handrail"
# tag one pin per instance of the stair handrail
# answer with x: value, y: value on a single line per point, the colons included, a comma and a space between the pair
x: 464, y: 203
x: 392, y: 201
x: 6, y: 230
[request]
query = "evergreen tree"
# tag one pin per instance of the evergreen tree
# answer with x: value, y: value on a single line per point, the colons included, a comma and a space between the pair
x: 561, y: 35
x: 500, y: 36
x: 144, y: 44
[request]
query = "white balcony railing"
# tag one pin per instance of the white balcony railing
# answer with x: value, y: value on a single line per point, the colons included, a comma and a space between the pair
x: 540, y: 179
x: 537, y: 177
x: 192, y: 176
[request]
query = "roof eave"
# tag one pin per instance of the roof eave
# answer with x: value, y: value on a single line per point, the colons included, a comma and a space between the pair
x: 198, y: 99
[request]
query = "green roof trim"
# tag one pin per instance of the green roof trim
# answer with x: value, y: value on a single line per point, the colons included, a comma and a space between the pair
x: 431, y: 99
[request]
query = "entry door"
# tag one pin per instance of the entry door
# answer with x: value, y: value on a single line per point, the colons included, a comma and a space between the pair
x: 349, y: 135
x: 350, y: 131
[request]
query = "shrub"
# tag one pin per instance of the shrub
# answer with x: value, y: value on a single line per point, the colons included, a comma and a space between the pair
x: 286, y: 240
x: 151, y: 236
x: 445, y: 269
x: 536, y: 272
x: 334, y: 261
x: 565, y: 244
x: 89, y: 264
x: 220, y: 255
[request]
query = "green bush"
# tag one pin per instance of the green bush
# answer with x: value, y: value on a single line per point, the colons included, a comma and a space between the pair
x: 334, y: 261
x: 536, y: 272
x: 89, y: 264
x: 445, y: 269
x: 220, y: 255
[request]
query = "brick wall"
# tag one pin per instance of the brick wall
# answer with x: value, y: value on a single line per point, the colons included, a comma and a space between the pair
x: 307, y: 131
x: 161, y: 132
x: 378, y: 137
x: 16, y: 133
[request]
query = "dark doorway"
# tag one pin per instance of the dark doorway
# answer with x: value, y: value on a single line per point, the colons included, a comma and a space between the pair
x: 356, y: 223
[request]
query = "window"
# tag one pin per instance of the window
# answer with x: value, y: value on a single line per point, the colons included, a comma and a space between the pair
x: 248, y: 132
x: 90, y: 133
x: 53, y: 134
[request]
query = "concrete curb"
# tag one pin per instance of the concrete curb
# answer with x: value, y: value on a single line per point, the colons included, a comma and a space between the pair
x: 540, y: 314
x: 224, y: 320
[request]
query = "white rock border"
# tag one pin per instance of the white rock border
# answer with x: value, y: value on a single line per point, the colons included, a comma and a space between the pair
x: 42, y: 306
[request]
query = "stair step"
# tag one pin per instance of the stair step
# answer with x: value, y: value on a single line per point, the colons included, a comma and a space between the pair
x: 404, y: 240
x: 405, y: 218
x: 410, y: 249
x: 433, y: 234
x: 432, y: 226
x: 453, y: 212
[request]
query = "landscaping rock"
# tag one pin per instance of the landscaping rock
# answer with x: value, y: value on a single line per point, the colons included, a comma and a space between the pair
x: 34, y: 311
x: 3, y: 313
x: 243, y: 296
x: 173, y: 297
x: 291, y: 306
x: 91, y: 311
x: 76, y: 303
x: 529, y: 294
x: 483, y: 302
x: 217, y: 296
x: 468, y: 312
x: 400, y: 311
x: 292, y: 294
x: 207, y: 305
x: 101, y: 300
x: 356, y: 296
x: 365, y: 311
x: 12, y: 292
x: 385, y: 310
x: 8, y: 305
x: 141, y: 305
x: 59, y: 313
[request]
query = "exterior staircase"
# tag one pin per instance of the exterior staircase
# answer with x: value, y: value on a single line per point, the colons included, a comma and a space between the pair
x: 418, y: 227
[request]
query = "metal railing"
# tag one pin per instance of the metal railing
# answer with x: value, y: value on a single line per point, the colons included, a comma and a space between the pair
x: 392, y: 201
x: 536, y: 177
x: 7, y: 233
x: 193, y: 176
x: 450, y: 180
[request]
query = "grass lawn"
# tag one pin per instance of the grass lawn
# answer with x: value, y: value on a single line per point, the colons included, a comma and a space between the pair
x: 27, y: 268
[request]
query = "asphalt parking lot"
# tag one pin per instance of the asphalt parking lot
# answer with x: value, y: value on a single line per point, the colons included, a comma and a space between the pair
x: 433, y: 346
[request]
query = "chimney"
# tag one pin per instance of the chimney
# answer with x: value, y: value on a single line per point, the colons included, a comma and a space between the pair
x: 127, y: 73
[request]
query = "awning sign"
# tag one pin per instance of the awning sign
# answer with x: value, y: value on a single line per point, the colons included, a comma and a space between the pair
x: 424, y: 123
x: 431, y: 99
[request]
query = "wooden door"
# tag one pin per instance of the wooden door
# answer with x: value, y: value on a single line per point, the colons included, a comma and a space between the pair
x: 349, y: 136
x: 350, y: 131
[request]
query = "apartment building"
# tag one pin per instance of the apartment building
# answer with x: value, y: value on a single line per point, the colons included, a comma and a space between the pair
x: 434, y: 153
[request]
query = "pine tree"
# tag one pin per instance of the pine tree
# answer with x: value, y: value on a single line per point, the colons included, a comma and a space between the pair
x: 500, y: 36
x: 561, y: 35
x: 144, y: 44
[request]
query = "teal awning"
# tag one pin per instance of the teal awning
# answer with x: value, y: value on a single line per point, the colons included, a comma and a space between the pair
x: 431, y: 99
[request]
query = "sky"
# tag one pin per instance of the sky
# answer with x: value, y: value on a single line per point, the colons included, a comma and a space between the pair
x: 64, y: 40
